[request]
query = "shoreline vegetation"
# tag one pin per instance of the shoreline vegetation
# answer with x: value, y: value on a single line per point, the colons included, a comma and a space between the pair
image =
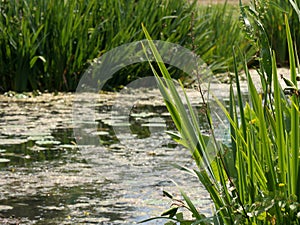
x: 255, y: 179
x: 207, y: 2
x: 47, y: 45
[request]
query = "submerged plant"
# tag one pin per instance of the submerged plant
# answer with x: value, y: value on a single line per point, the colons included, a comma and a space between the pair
x: 259, y: 182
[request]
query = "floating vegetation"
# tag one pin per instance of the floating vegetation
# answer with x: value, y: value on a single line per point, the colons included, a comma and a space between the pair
x: 5, y: 207
x: 59, y: 182
x: 3, y: 160
x: 12, y: 141
x: 47, y: 143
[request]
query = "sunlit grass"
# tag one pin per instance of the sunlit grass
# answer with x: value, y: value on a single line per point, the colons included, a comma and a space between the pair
x: 48, y: 44
x: 260, y: 185
x: 271, y: 14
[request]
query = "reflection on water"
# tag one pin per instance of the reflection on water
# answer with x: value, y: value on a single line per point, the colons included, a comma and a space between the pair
x: 47, y: 179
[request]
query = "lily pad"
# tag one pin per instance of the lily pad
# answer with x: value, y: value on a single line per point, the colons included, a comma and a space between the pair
x: 40, y: 137
x: 142, y: 114
x: 101, y: 133
x: 37, y: 148
x: 15, y: 141
x: 111, y: 122
x: 115, y: 117
x: 52, y: 208
x: 5, y: 207
x: 33, y: 133
x: 121, y: 124
x: 68, y: 146
x: 154, y: 125
x: 10, y: 154
x: 3, y: 160
x: 47, y: 142
x: 165, y: 114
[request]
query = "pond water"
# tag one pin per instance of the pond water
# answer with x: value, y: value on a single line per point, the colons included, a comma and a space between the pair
x: 46, y: 178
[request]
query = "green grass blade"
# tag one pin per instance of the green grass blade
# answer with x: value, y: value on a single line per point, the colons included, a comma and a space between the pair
x: 264, y: 152
x: 280, y: 131
x: 239, y: 97
x: 186, y: 127
x: 294, y: 165
x: 191, y: 206
x: 232, y: 113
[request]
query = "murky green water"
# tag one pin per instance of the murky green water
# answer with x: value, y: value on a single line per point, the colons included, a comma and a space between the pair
x: 47, y: 179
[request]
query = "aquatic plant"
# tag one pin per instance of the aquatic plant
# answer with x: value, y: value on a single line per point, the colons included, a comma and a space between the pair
x: 48, y: 44
x: 271, y: 14
x: 255, y: 179
x: 224, y: 31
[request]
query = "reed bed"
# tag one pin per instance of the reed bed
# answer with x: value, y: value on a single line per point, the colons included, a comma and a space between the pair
x: 48, y: 44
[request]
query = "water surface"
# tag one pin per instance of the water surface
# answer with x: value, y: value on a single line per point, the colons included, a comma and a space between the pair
x: 46, y: 178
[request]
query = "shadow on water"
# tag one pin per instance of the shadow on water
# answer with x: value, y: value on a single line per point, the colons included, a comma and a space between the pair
x: 46, y: 179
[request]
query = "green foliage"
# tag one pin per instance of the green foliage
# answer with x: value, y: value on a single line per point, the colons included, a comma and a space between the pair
x: 224, y: 31
x: 271, y: 13
x: 263, y: 187
x: 48, y: 44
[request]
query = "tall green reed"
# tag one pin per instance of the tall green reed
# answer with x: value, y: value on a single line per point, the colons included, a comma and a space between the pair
x: 263, y: 186
x: 48, y: 44
x: 44, y: 44
x: 271, y: 14
x: 221, y: 21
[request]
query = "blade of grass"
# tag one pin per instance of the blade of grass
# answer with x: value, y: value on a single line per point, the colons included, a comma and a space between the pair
x: 280, y: 131
x: 294, y: 165
x: 186, y: 126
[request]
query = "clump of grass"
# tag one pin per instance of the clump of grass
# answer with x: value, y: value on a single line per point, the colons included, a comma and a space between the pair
x: 45, y: 44
x: 271, y: 14
x: 48, y: 44
x: 223, y: 30
x: 260, y: 185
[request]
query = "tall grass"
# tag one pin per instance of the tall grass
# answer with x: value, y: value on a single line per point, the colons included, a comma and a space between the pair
x: 44, y: 44
x: 260, y: 185
x: 271, y: 14
x: 48, y: 44
x: 223, y: 33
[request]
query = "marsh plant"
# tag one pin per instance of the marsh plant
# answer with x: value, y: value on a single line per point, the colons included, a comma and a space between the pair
x: 48, y: 44
x: 271, y: 14
x: 255, y: 179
